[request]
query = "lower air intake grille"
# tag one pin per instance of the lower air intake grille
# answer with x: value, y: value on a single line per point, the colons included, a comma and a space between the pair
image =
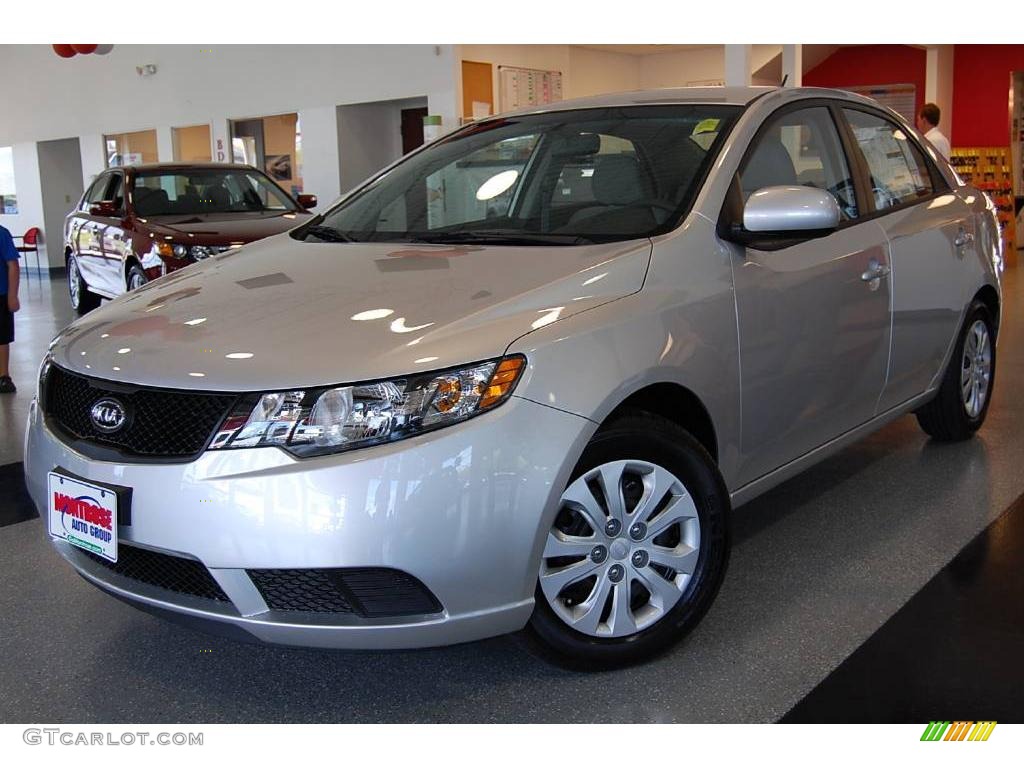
x: 176, y: 574
x: 369, y: 592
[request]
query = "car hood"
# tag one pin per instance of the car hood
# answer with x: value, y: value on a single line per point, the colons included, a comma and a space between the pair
x: 224, y: 228
x: 282, y: 313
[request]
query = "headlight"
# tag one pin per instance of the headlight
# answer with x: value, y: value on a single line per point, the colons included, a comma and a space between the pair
x: 176, y: 250
x: 199, y: 252
x: 314, y: 422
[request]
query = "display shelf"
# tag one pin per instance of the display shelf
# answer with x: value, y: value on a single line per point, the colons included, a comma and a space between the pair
x: 990, y: 169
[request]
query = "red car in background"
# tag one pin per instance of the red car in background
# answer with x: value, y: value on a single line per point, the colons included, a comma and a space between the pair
x: 136, y: 223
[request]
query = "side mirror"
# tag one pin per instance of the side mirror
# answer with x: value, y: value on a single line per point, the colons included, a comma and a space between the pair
x: 791, y: 210
x: 104, y: 208
x: 307, y: 201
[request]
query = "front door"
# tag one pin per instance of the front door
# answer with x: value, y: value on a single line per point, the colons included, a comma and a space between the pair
x: 813, y: 331
x: 114, y: 241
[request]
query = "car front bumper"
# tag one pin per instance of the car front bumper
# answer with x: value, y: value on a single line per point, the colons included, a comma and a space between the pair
x: 464, y: 510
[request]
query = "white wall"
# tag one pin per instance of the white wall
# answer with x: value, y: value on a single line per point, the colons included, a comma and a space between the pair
x: 369, y: 138
x: 103, y: 94
x: 680, y: 68
x: 30, y: 201
x: 89, y: 96
x: 60, y: 175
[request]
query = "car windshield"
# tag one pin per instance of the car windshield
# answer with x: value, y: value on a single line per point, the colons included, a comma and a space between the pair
x: 557, y: 178
x: 207, y: 190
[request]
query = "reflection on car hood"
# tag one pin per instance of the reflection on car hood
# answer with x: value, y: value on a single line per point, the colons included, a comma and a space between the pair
x: 224, y: 228
x: 282, y: 313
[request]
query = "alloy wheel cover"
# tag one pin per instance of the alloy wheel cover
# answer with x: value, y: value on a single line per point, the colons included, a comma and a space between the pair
x: 620, y: 564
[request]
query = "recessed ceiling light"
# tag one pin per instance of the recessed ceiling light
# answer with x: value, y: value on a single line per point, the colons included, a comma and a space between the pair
x: 373, y: 314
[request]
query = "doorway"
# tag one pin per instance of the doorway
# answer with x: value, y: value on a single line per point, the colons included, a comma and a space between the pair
x: 412, y: 128
x: 60, y: 182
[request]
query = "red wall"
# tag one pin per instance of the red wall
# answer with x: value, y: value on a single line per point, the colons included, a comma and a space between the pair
x: 981, y: 86
x: 872, y: 65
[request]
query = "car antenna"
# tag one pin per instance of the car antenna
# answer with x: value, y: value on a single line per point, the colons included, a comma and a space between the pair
x: 785, y: 77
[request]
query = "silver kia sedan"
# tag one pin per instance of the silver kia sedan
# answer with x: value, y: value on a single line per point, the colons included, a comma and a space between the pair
x: 521, y: 377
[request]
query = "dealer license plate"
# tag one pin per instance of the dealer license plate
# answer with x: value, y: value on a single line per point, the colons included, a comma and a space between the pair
x: 83, y: 514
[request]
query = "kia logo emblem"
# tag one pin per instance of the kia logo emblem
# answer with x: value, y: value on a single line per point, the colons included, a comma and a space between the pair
x: 108, y: 415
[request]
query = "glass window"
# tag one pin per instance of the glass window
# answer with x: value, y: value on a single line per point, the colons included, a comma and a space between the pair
x: 96, y: 191
x: 899, y: 173
x: 132, y: 148
x: 206, y: 190
x: 115, y: 191
x: 8, y: 194
x: 553, y: 178
x: 801, y: 148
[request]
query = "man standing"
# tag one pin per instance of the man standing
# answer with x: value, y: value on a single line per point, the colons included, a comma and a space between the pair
x: 928, y: 124
x: 9, y: 276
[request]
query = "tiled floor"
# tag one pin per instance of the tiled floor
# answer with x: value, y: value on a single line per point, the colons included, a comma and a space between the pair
x: 819, y: 565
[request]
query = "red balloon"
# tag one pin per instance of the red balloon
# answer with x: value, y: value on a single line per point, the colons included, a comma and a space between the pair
x: 64, y: 51
x: 84, y: 48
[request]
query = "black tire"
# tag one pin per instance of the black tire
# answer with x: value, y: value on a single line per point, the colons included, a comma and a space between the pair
x: 642, y: 436
x: 136, y: 277
x: 86, y: 300
x: 945, y: 417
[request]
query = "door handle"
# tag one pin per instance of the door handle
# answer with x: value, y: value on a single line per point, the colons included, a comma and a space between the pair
x: 875, y: 271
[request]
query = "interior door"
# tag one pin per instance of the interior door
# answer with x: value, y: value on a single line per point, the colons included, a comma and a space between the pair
x: 813, y: 314
x: 928, y: 228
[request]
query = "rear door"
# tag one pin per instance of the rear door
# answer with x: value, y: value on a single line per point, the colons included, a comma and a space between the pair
x: 928, y: 229
x: 813, y: 332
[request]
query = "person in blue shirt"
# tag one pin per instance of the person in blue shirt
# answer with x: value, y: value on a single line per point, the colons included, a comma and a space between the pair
x: 9, y: 276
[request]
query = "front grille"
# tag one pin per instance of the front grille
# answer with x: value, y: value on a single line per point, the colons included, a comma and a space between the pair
x: 369, y: 592
x: 175, y: 574
x: 161, y: 422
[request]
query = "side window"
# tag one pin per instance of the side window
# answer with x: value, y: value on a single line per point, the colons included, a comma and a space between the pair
x: 899, y: 172
x: 802, y: 148
x: 96, y: 191
x: 115, y: 191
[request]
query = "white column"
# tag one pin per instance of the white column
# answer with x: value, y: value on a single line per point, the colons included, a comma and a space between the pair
x: 165, y: 145
x: 938, y: 84
x: 737, y: 64
x: 94, y: 157
x: 321, y: 169
x: 793, y: 65
x: 220, y: 140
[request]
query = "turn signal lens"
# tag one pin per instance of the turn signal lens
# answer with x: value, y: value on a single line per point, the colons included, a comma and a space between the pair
x: 503, y: 381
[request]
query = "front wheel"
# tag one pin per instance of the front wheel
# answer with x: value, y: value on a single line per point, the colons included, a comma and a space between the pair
x: 82, y: 299
x: 637, y: 549
x: 959, y: 408
x: 136, y: 277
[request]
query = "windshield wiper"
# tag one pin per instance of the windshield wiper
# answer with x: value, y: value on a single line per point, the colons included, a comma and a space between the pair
x: 329, y: 234
x: 498, y: 237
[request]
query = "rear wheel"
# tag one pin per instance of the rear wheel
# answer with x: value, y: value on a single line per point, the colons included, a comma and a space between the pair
x: 82, y: 299
x: 638, y: 547
x: 960, y: 407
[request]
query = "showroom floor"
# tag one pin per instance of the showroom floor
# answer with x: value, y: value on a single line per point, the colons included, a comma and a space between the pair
x: 852, y: 594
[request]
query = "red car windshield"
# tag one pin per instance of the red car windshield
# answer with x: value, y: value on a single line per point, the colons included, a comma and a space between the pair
x: 190, y: 192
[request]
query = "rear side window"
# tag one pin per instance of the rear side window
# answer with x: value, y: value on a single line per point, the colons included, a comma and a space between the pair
x: 899, y: 172
x: 801, y: 147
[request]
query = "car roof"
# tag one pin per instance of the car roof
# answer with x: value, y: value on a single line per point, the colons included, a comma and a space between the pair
x: 732, y: 95
x: 186, y: 166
